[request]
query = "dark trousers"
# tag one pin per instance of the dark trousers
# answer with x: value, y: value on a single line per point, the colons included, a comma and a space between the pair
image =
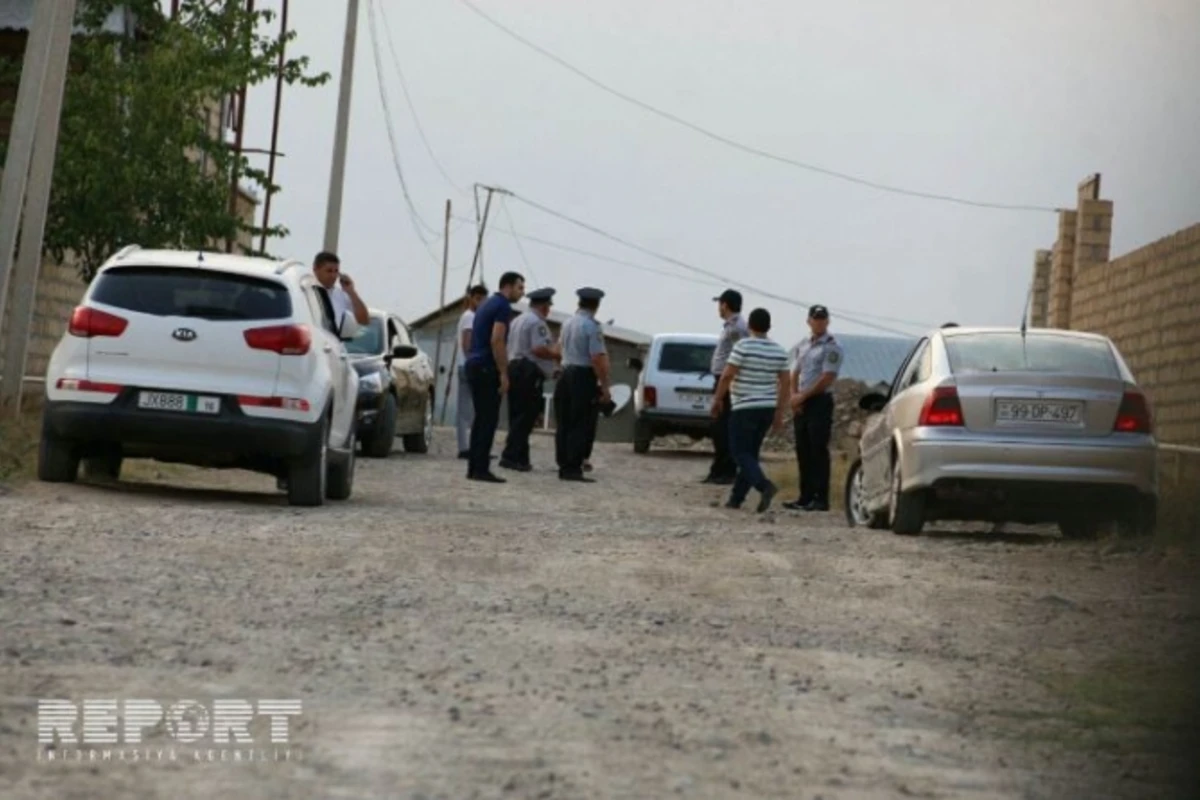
x: 484, y: 380
x: 575, y: 412
x: 525, y: 384
x: 723, y: 465
x: 747, y: 429
x: 813, y: 428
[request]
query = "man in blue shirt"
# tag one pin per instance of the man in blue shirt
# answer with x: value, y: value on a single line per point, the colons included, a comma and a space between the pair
x: 487, y: 373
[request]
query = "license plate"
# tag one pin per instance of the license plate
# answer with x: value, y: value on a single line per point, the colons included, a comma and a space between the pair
x: 171, y: 401
x: 696, y: 399
x: 1039, y: 411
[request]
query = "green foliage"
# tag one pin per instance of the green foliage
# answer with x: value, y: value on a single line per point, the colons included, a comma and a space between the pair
x: 135, y: 127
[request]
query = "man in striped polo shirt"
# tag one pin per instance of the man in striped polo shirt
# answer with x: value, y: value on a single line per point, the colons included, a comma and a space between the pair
x: 757, y: 383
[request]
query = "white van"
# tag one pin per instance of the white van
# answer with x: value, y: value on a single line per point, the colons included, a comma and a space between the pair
x: 675, y: 388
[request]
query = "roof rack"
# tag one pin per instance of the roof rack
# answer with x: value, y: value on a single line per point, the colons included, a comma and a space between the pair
x: 288, y: 264
x: 126, y: 250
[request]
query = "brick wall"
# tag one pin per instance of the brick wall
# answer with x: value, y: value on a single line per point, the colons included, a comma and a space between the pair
x: 59, y: 291
x: 1146, y: 301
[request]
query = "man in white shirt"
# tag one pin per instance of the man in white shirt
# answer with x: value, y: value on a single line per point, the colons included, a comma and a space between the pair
x: 465, y: 412
x: 327, y: 268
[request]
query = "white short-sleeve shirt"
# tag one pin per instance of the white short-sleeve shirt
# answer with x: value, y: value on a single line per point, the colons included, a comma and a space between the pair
x: 465, y: 323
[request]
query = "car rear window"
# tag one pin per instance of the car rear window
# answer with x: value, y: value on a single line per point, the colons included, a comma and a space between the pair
x: 188, y: 292
x: 683, y: 357
x: 1039, y: 352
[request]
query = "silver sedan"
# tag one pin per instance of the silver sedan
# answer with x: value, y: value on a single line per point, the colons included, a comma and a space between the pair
x: 1007, y: 425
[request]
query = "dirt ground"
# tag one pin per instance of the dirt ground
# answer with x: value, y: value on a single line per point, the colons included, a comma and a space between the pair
x: 623, y: 639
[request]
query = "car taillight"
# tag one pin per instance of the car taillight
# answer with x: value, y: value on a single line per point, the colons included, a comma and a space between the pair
x: 286, y: 403
x: 287, y: 340
x: 650, y: 396
x: 941, y: 408
x: 88, y: 322
x: 1134, y: 414
x: 80, y: 385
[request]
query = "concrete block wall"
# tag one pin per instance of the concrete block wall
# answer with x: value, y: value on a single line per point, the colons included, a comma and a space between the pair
x: 1039, y: 305
x: 59, y: 290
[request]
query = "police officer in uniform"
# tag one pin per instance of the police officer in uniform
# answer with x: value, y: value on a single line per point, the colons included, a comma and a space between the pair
x: 816, y: 363
x: 582, y: 388
x: 723, y: 469
x: 532, y: 357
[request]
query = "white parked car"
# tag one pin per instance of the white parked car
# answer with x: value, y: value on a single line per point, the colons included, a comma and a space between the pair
x: 1005, y: 425
x: 207, y: 359
x: 675, y: 388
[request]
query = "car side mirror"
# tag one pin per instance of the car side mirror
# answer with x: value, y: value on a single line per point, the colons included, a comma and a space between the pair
x: 404, y: 351
x: 348, y: 328
x: 873, y: 402
x: 636, y: 364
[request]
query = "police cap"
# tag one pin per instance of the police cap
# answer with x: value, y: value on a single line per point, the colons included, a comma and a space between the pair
x: 588, y: 293
x: 818, y: 312
x: 540, y: 295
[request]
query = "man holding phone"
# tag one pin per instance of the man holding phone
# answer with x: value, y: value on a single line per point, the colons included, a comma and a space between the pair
x: 327, y: 268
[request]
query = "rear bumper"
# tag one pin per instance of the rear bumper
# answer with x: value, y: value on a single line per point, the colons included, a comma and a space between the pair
x: 935, y: 458
x: 166, y: 432
x: 668, y: 422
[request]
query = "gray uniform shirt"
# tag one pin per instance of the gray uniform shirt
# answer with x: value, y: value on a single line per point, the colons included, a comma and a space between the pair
x: 527, y: 332
x: 732, y: 332
x: 581, y: 339
x: 811, y: 359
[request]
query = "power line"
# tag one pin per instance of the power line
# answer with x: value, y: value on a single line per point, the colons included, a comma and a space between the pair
x: 413, y: 214
x: 715, y: 279
x: 517, y: 239
x: 387, y: 33
x: 741, y: 145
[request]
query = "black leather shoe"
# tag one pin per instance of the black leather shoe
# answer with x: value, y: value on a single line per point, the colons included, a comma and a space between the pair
x: 732, y: 505
x: 576, y: 477
x: 487, y: 477
x: 817, y: 505
x: 464, y: 454
x: 723, y: 480
x: 768, y: 494
x: 799, y: 504
x: 513, y: 465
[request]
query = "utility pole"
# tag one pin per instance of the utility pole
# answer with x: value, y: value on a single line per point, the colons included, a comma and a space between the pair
x: 35, y: 185
x: 437, y: 350
x: 283, y: 30
x: 337, y: 171
x: 46, y: 18
x: 475, y: 261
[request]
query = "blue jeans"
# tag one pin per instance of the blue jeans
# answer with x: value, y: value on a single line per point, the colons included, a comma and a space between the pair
x: 747, y: 429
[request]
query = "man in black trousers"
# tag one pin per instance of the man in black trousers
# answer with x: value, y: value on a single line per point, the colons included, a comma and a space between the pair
x: 729, y: 307
x: 533, y: 358
x: 487, y: 373
x: 818, y: 360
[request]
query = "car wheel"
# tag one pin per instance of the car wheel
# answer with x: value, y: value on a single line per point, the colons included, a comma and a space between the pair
x: 307, y: 475
x: 58, y: 461
x: 340, y: 481
x: 105, y: 467
x: 906, y: 513
x: 857, y: 513
x: 384, y: 436
x: 642, y: 437
x: 420, y: 442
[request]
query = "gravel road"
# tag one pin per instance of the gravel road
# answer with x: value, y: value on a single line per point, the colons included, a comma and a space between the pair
x: 622, y: 639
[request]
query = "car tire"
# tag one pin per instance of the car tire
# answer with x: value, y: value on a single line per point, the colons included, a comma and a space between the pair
x: 105, y: 467
x: 339, y: 483
x: 419, y: 442
x: 307, y: 475
x: 383, y: 437
x: 642, y: 437
x: 58, y: 460
x: 906, y: 513
x: 857, y: 514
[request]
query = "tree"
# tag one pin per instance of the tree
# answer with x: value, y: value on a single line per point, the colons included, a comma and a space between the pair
x: 136, y: 160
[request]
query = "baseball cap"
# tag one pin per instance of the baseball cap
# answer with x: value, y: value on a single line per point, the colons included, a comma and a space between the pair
x: 818, y: 312
x: 730, y: 297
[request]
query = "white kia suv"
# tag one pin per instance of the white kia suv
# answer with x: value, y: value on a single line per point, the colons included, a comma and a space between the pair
x: 208, y: 359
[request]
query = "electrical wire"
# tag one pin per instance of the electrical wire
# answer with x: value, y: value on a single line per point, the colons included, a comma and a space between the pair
x: 714, y: 279
x: 413, y: 214
x: 844, y: 176
x: 387, y: 33
x: 517, y: 240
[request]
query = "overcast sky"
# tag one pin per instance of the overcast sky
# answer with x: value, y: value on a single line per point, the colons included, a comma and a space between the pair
x: 1011, y: 102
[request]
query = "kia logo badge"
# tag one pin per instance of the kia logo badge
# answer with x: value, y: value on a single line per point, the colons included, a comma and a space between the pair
x: 184, y: 334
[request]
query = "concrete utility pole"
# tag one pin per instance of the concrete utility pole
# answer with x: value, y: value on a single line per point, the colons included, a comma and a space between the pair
x: 27, y: 176
x: 33, y: 225
x: 23, y: 134
x: 337, y: 171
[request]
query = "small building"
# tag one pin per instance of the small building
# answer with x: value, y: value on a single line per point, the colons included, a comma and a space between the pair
x: 442, y: 324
